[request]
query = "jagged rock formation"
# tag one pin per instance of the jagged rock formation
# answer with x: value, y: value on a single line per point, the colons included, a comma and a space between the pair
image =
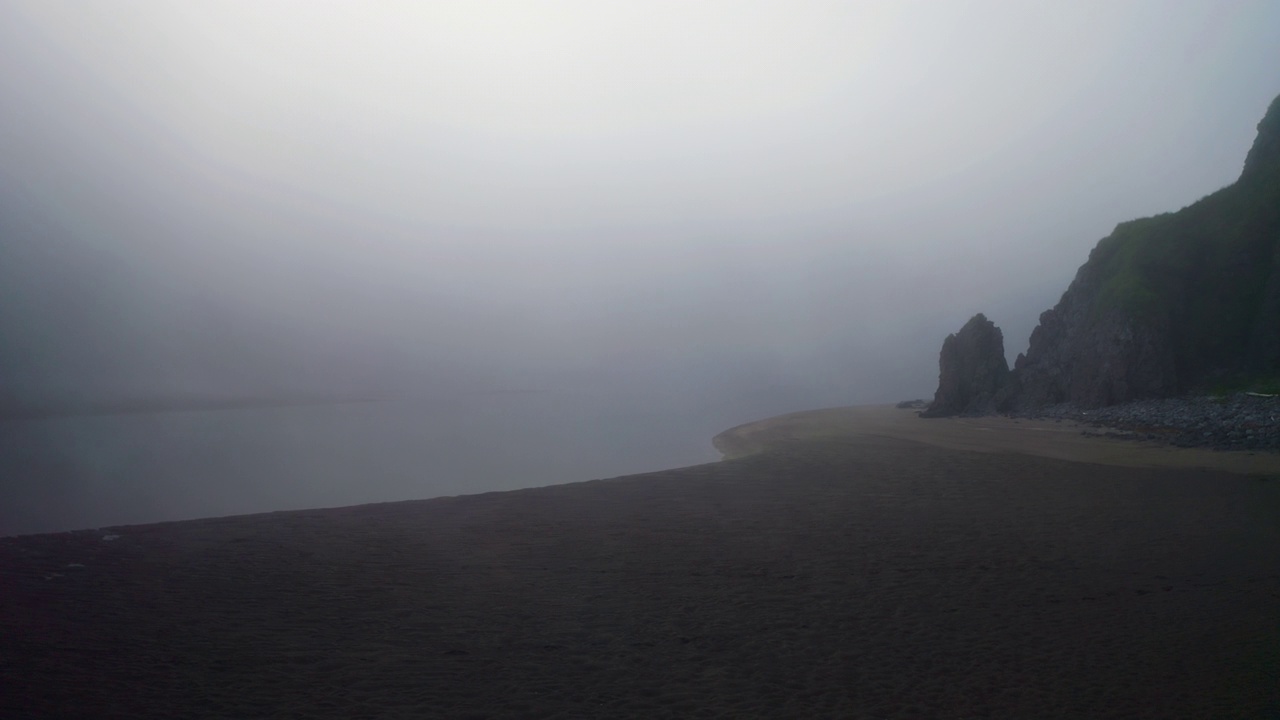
x: 972, y: 370
x: 1091, y: 358
x: 1167, y: 304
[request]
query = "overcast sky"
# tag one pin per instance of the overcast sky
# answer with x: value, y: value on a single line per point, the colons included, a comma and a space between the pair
x: 817, y: 190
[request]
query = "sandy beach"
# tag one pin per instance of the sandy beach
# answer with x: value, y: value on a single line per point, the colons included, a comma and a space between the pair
x: 1062, y: 440
x: 845, y: 563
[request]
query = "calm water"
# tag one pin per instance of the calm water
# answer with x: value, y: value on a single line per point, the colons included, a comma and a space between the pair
x: 82, y: 472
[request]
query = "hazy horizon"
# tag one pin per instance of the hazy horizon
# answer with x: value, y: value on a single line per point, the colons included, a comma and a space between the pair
x: 753, y: 206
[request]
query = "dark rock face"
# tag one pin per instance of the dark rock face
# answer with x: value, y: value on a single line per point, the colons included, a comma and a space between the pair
x: 1264, y: 157
x: 1164, y: 305
x: 1077, y: 357
x: 1168, y: 304
x: 972, y: 370
x: 1264, y: 344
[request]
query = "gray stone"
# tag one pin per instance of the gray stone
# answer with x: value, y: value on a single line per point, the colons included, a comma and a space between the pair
x: 972, y: 371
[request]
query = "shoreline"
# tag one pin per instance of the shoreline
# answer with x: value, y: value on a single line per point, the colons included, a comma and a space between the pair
x: 865, y: 576
x: 1058, y: 438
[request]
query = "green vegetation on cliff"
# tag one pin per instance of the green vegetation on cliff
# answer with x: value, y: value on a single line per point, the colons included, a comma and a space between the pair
x: 1209, y: 273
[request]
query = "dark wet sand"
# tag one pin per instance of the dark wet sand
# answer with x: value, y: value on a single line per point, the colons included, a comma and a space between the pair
x: 860, y: 577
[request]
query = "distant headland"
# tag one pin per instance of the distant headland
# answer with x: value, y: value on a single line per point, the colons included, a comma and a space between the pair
x: 1182, y: 303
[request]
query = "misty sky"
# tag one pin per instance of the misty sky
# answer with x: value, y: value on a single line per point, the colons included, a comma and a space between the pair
x: 808, y: 194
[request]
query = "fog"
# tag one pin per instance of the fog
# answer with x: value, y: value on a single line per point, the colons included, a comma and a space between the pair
x: 656, y: 219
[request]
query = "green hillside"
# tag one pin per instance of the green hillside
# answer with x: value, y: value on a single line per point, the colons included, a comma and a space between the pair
x: 1196, y: 291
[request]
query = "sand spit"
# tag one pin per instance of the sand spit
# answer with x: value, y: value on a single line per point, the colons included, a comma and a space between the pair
x: 1061, y: 439
x: 861, y: 577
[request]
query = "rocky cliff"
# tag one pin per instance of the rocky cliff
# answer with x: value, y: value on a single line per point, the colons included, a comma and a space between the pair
x: 972, y: 370
x: 1168, y: 304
